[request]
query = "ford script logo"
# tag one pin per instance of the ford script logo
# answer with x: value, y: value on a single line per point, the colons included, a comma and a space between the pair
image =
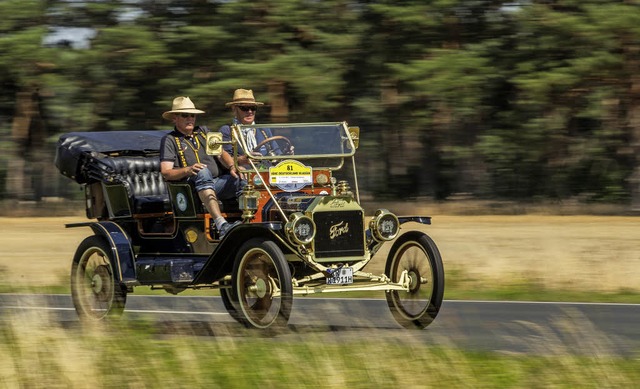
x: 337, y: 203
x: 338, y: 229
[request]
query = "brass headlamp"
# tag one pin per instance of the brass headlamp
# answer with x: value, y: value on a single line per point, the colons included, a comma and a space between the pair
x: 384, y: 225
x: 300, y: 229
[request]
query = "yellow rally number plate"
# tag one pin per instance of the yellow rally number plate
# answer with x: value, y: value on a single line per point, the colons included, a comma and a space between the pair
x: 290, y: 175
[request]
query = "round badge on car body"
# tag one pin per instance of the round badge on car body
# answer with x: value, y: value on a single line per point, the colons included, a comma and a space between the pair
x: 181, y: 201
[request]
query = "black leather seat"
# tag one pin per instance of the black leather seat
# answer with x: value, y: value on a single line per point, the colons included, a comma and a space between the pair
x: 143, y: 181
x: 147, y: 189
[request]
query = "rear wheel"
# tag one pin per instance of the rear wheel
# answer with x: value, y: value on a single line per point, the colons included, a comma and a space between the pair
x: 416, y: 254
x: 262, y: 288
x: 95, y: 290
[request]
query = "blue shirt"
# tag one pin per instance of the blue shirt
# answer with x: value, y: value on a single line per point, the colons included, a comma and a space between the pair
x: 261, y: 135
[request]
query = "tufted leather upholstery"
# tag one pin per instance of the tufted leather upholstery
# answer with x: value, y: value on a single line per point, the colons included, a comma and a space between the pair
x: 143, y: 181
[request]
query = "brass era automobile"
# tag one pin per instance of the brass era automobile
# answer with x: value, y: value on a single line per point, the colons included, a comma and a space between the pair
x: 303, y: 228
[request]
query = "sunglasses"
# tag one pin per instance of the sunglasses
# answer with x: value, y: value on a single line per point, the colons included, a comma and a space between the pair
x: 245, y: 108
x: 188, y: 115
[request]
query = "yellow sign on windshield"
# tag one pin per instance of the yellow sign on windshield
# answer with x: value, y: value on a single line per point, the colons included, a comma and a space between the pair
x: 290, y: 175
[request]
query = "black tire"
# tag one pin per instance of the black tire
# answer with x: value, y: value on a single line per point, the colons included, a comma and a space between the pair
x: 261, y: 285
x: 231, y: 306
x: 417, y: 253
x: 95, y: 291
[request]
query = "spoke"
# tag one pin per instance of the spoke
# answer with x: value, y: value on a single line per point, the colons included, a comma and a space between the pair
x: 414, y: 260
x: 258, y: 286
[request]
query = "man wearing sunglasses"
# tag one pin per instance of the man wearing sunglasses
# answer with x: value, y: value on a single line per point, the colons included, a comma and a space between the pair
x: 183, y: 157
x: 244, y: 107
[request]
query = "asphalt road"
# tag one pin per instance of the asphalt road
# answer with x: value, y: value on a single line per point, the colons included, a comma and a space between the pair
x: 521, y: 327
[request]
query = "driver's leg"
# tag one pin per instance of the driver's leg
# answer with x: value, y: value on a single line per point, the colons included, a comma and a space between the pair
x: 205, y: 186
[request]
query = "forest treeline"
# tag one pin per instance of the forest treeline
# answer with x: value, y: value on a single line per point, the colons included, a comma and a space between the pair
x: 503, y: 100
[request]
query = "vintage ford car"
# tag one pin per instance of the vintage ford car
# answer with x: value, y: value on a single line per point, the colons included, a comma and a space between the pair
x: 303, y: 228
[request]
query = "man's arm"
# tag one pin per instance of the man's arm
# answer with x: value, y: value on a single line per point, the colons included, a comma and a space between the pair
x: 168, y: 156
x: 171, y: 173
x: 227, y: 161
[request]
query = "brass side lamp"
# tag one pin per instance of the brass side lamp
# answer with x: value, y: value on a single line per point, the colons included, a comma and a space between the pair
x: 248, y: 201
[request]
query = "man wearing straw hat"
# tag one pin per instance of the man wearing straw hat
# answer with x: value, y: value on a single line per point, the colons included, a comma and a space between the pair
x: 183, y: 157
x: 244, y: 107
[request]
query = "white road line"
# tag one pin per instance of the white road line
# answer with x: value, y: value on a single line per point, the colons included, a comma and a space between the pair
x: 346, y: 299
x: 36, y: 308
x: 540, y: 302
x: 126, y: 310
x: 175, y: 312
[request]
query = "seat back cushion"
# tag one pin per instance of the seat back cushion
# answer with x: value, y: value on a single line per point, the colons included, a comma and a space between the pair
x: 143, y: 180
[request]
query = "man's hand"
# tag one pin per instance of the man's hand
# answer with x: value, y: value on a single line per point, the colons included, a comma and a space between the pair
x: 233, y: 171
x: 195, y: 168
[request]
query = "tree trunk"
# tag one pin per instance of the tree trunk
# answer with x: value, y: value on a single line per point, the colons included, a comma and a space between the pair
x: 279, y: 104
x: 27, y: 136
x: 634, y: 127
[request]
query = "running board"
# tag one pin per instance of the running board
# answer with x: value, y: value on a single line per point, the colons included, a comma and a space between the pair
x: 305, y: 290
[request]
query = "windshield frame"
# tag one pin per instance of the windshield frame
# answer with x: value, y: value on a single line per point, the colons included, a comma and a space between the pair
x: 349, y: 148
x: 238, y: 141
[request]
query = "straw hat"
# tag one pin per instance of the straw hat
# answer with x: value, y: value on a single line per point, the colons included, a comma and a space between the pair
x: 243, y: 97
x: 181, y: 104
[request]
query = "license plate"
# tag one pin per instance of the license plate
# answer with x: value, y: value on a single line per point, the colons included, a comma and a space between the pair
x: 341, y: 276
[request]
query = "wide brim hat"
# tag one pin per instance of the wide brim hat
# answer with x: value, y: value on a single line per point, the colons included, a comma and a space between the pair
x: 181, y: 104
x: 243, y: 97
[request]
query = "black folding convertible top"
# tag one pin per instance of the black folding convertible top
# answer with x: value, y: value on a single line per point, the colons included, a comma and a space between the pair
x: 76, y: 150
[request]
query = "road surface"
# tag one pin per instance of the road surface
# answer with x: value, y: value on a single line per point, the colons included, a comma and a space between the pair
x: 522, y: 327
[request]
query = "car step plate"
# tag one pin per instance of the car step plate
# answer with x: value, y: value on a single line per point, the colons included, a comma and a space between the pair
x: 341, y: 276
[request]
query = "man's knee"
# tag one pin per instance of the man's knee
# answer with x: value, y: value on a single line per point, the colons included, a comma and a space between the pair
x: 204, y: 180
x: 204, y: 174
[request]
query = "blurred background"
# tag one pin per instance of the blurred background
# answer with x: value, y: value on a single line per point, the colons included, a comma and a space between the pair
x: 516, y: 101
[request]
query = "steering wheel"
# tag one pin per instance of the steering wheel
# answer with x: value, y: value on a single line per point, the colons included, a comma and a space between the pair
x: 286, y: 150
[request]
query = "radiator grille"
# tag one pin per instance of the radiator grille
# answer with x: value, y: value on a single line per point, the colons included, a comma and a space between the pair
x: 339, y: 234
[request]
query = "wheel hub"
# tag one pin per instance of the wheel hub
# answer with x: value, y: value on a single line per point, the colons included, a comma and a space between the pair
x: 100, y: 283
x: 96, y: 283
x: 414, y: 280
x: 260, y: 288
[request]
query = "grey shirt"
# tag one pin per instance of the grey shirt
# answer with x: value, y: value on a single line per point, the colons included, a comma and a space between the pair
x: 194, y: 149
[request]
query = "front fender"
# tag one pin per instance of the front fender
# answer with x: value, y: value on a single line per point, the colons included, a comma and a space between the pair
x: 375, y: 245
x: 417, y: 219
x: 220, y: 262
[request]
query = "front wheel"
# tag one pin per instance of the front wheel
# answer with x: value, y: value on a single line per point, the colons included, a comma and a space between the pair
x: 231, y: 306
x: 95, y: 290
x: 415, y: 255
x: 261, y: 285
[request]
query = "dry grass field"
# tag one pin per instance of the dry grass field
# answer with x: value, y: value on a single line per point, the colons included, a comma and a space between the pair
x: 583, y: 253
x: 589, y: 253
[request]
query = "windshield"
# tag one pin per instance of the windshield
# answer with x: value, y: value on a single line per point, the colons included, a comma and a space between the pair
x: 318, y: 144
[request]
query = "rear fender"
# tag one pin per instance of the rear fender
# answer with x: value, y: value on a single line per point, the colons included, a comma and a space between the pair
x: 124, y: 266
x: 220, y: 262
